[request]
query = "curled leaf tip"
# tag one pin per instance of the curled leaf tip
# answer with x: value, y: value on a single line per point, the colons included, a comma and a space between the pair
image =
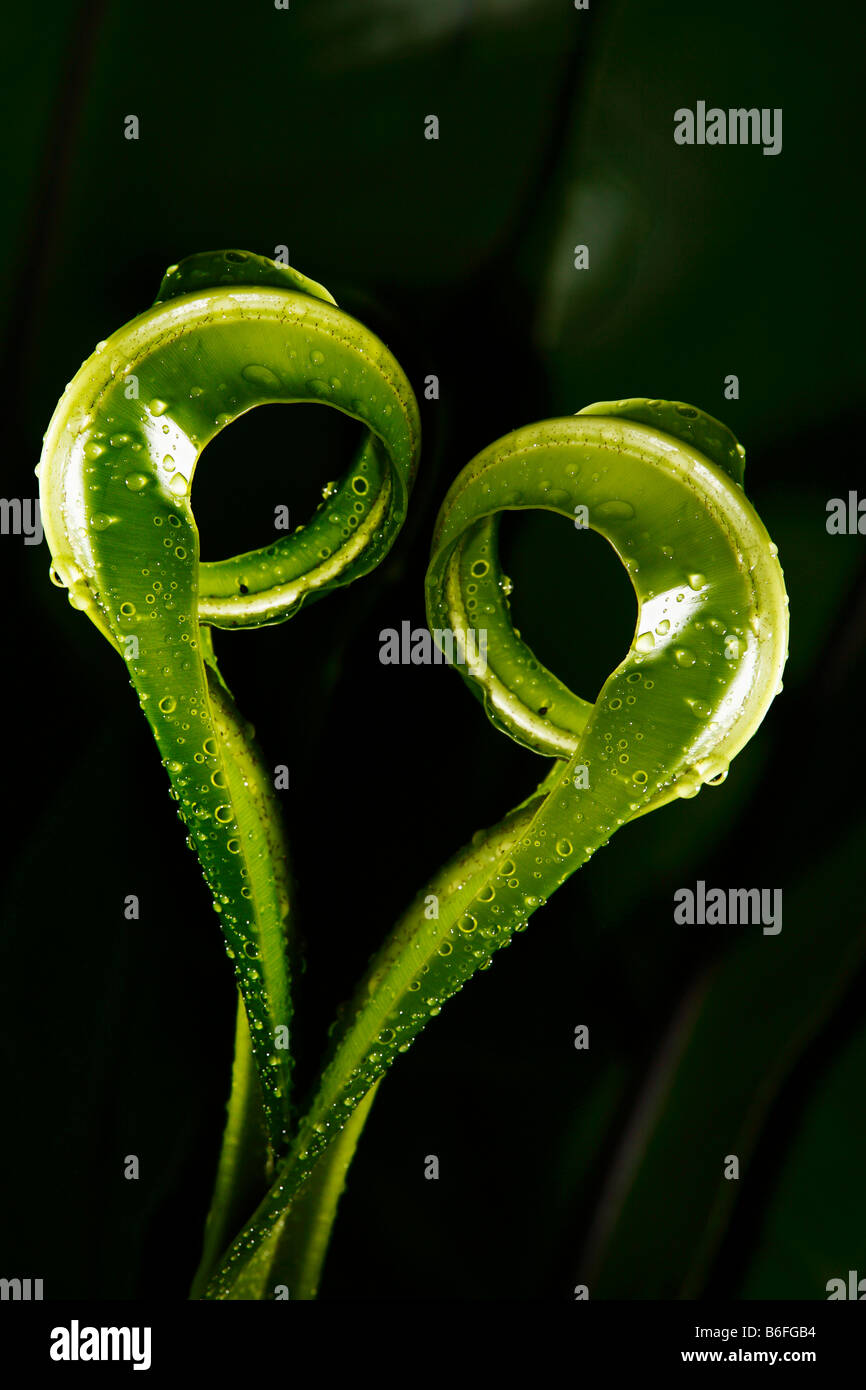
x: 662, y: 481
x: 230, y: 331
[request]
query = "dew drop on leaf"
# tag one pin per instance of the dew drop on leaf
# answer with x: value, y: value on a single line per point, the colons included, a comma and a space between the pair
x: 258, y: 375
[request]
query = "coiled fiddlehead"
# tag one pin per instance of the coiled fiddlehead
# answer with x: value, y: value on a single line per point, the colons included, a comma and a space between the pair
x: 663, y: 483
x: 229, y: 331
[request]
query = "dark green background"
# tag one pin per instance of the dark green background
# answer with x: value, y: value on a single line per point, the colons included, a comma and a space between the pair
x: 305, y: 128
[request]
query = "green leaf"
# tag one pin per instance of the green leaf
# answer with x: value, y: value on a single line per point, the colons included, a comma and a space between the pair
x: 243, y: 1157
x: 706, y: 662
x: 230, y: 332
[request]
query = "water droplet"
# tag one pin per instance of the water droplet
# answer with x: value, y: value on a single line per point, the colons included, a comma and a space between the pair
x: 683, y: 657
x: 700, y: 709
x: 614, y: 510
x: 317, y: 357
x: 697, y: 581
x: 564, y: 848
x: 687, y: 787
x: 663, y: 628
x: 100, y: 521
x: 645, y: 642
x: 136, y: 481
x: 158, y: 407
x: 259, y: 376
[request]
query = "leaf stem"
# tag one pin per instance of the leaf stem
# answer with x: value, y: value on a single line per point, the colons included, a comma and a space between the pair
x: 303, y: 1245
x: 240, y: 1177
